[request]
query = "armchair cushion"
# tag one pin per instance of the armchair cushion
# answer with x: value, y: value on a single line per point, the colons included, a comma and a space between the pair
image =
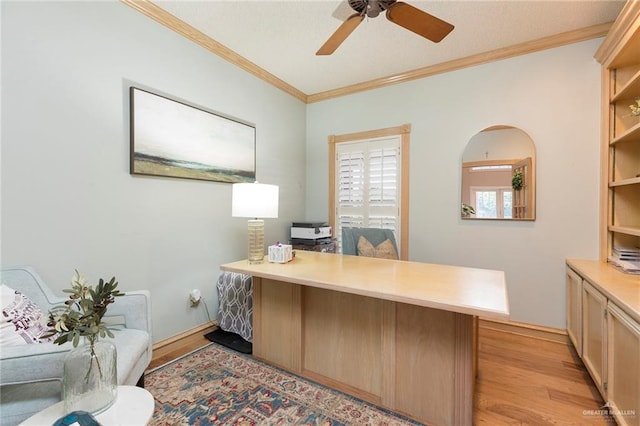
x: 384, y: 250
x: 375, y: 236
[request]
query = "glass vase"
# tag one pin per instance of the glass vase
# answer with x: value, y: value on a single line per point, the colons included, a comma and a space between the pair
x: 90, y: 381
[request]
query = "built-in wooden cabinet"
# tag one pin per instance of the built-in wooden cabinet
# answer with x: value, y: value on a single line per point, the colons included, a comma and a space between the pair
x: 603, y: 303
x: 623, y: 366
x: 594, y: 332
x: 574, y: 309
x: 603, y: 323
x: 620, y: 59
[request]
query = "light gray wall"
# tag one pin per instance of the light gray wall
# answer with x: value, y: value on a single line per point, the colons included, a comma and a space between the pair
x: 553, y: 96
x: 68, y: 200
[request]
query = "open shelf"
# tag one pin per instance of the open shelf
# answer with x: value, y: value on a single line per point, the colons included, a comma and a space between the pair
x: 624, y: 182
x: 625, y: 201
x: 629, y: 90
x: 628, y: 230
x: 619, y: 56
x: 631, y: 134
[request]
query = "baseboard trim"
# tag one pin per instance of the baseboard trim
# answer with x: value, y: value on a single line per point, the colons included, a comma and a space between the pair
x: 163, y: 347
x: 528, y: 330
x: 173, y: 343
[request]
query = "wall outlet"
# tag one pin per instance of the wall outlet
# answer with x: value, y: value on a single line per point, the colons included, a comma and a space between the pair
x: 194, y: 297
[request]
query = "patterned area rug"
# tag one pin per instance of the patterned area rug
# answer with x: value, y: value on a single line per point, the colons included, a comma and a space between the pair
x: 217, y: 386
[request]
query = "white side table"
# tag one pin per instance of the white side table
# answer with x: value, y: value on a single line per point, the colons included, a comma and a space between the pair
x: 133, y: 406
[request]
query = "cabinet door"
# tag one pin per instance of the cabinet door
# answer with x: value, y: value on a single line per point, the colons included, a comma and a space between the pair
x: 623, y: 366
x: 594, y: 307
x: 574, y: 309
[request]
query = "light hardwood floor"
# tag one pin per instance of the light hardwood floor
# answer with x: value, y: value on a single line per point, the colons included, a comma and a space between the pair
x: 526, y: 380
x: 521, y: 381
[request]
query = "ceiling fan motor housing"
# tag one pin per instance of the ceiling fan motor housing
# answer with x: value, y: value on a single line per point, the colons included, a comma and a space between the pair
x: 371, y: 8
x: 398, y: 12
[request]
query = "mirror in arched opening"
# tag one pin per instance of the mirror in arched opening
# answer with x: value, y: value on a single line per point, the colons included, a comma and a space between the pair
x: 498, y: 175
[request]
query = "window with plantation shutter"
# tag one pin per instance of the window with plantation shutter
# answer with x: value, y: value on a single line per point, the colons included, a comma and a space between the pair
x: 367, y: 185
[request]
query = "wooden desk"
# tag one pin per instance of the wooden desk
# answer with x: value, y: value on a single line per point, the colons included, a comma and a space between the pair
x: 395, y: 333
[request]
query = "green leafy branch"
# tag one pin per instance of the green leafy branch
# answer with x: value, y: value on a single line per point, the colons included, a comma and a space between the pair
x: 81, y: 315
x: 467, y: 210
x: 516, y: 181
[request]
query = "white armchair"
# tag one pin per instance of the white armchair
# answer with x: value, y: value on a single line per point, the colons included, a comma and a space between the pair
x: 31, y: 374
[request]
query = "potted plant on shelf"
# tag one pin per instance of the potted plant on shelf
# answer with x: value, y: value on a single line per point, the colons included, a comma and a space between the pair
x: 90, y: 376
x: 635, y: 108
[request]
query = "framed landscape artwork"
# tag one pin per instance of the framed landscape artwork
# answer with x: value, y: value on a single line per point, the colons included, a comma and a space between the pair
x: 172, y: 138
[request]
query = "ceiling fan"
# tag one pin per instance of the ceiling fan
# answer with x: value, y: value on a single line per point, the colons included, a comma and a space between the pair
x: 400, y: 13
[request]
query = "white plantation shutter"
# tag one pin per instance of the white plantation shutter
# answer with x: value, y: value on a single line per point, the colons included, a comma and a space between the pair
x: 368, y: 185
x: 351, y: 185
x: 351, y: 178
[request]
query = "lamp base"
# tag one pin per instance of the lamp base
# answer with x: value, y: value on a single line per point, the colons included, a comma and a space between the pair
x: 255, y: 229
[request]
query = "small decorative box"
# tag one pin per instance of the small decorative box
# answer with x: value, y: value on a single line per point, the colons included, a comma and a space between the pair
x: 280, y: 253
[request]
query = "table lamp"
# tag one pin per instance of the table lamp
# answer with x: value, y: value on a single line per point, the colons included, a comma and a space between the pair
x: 257, y: 201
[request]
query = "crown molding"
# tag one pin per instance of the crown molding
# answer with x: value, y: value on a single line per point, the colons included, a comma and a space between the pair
x: 168, y: 20
x: 557, y: 40
x: 620, y: 32
x: 147, y: 8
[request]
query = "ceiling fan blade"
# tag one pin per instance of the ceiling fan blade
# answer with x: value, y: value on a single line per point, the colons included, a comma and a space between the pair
x: 340, y: 35
x: 421, y: 23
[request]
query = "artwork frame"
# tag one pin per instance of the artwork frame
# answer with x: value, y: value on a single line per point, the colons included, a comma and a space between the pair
x: 173, y: 138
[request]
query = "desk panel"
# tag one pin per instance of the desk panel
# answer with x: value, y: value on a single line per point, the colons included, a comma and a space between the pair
x: 343, y: 338
x: 277, y: 329
x: 425, y: 362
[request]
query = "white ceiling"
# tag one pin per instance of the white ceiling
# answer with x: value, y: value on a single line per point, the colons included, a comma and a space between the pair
x: 282, y: 37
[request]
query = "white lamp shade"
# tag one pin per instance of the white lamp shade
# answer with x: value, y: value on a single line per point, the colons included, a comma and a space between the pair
x: 256, y: 200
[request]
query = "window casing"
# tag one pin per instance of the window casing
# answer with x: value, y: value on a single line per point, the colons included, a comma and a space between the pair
x: 492, y: 202
x: 369, y: 182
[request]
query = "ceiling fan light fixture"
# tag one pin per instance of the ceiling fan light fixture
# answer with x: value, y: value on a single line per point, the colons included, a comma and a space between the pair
x: 373, y: 9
